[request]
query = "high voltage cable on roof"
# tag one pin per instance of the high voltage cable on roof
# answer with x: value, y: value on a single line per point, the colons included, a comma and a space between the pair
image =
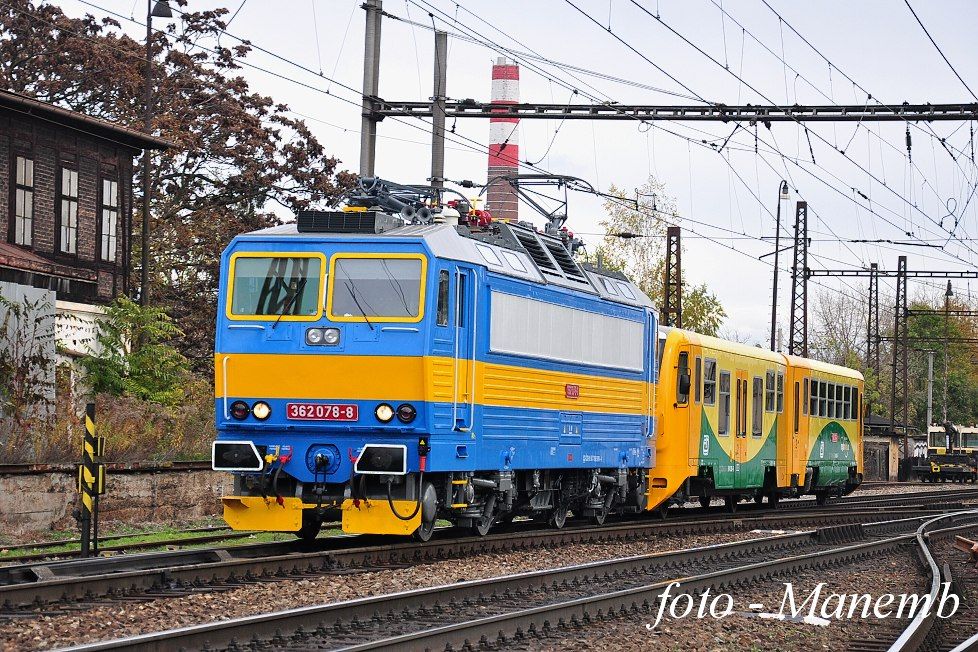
x: 308, y: 86
x: 766, y: 98
x: 939, y: 50
x: 547, y: 76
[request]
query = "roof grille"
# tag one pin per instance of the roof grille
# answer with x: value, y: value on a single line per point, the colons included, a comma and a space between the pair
x: 532, y: 246
x: 561, y: 255
x: 346, y: 222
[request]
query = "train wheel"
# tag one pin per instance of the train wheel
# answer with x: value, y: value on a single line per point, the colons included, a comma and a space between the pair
x: 425, y: 531
x: 730, y: 502
x: 704, y: 501
x: 599, y: 516
x: 558, y: 517
x: 481, y: 526
x: 310, y: 526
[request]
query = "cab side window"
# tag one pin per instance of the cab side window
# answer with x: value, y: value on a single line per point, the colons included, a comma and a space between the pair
x: 682, y: 379
x: 697, y: 379
x: 442, y: 311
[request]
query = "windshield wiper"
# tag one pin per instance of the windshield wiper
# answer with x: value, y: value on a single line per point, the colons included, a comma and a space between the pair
x: 353, y: 295
x: 288, y: 304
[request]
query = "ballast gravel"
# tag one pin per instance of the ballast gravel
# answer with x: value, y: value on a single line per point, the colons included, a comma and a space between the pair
x: 744, y: 630
x: 117, y: 620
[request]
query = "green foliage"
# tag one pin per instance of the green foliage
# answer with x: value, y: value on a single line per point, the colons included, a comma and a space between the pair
x: 134, y: 355
x: 642, y: 258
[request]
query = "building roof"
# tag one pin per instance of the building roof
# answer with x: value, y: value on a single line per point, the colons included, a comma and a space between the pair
x: 80, y: 122
x: 14, y: 257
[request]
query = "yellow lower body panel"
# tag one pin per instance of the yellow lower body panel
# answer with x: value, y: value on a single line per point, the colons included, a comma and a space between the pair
x: 256, y: 513
x: 375, y: 517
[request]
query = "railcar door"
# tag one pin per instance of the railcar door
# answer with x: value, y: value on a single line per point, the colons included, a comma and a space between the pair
x: 740, y: 441
x: 464, y: 372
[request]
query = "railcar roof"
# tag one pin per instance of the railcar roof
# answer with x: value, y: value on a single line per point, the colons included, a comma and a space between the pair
x: 509, y: 250
x: 823, y: 367
x: 737, y: 348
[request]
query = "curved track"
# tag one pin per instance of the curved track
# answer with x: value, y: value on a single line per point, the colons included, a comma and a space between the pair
x: 504, y: 612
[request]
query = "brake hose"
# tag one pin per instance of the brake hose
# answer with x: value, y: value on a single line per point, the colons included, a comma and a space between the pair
x: 417, y: 508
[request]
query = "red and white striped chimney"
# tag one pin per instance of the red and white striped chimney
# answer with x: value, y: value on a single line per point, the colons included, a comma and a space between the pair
x: 504, y: 142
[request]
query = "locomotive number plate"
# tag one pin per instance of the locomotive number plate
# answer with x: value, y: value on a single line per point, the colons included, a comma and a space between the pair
x: 321, y: 412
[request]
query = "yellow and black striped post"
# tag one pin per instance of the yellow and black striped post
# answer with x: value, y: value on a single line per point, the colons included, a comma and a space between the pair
x: 91, y: 482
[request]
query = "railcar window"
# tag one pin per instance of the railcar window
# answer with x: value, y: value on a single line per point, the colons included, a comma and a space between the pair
x: 838, y: 401
x: 698, y: 378
x: 769, y: 391
x: 723, y: 418
x: 855, y: 403
x: 710, y: 382
x: 383, y: 288
x: 682, y: 376
x: 273, y: 285
x: 780, y: 391
x: 758, y: 413
x: 813, y: 398
x: 847, y: 402
x: 804, y: 403
x: 823, y: 405
x: 442, y: 311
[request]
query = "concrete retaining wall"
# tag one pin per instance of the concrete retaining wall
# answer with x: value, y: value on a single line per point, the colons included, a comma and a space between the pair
x: 36, y: 502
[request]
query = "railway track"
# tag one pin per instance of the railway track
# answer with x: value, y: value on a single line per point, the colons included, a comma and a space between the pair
x: 29, y: 588
x: 513, y: 610
x: 195, y: 536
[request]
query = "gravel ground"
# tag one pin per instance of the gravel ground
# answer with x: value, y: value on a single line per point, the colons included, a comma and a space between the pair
x: 907, y: 487
x: 897, y: 574
x: 128, y: 619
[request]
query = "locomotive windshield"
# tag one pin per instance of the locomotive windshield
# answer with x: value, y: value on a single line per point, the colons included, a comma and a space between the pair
x: 376, y: 288
x: 276, y: 285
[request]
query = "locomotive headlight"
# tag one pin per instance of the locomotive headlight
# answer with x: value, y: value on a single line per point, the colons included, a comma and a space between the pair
x: 240, y: 410
x: 384, y: 413
x: 331, y: 336
x: 314, y: 336
x: 406, y: 413
x: 261, y: 410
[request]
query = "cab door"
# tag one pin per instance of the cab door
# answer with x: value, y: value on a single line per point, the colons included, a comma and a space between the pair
x: 464, y: 353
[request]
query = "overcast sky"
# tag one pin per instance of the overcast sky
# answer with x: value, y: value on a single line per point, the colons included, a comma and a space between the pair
x: 878, y: 44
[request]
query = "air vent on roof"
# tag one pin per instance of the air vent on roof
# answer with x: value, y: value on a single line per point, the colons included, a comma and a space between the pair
x: 346, y: 222
x: 532, y: 246
x: 562, y: 256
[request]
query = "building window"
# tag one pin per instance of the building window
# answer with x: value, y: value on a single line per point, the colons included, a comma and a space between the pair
x: 23, y: 215
x: 110, y: 219
x: 68, y: 212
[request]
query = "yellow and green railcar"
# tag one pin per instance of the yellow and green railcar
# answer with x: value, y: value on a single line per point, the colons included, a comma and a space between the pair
x: 737, y: 422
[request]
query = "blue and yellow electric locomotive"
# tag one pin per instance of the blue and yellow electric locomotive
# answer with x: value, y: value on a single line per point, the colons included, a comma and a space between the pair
x: 390, y: 371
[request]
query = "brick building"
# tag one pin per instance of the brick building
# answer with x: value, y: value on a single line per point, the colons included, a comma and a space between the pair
x: 66, y: 199
x: 66, y: 214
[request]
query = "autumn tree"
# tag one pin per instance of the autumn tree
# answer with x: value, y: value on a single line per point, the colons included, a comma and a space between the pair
x: 236, y: 154
x: 634, y: 243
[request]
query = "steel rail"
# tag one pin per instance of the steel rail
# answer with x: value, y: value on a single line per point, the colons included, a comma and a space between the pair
x: 35, y: 585
x: 914, y: 635
x: 500, y: 628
